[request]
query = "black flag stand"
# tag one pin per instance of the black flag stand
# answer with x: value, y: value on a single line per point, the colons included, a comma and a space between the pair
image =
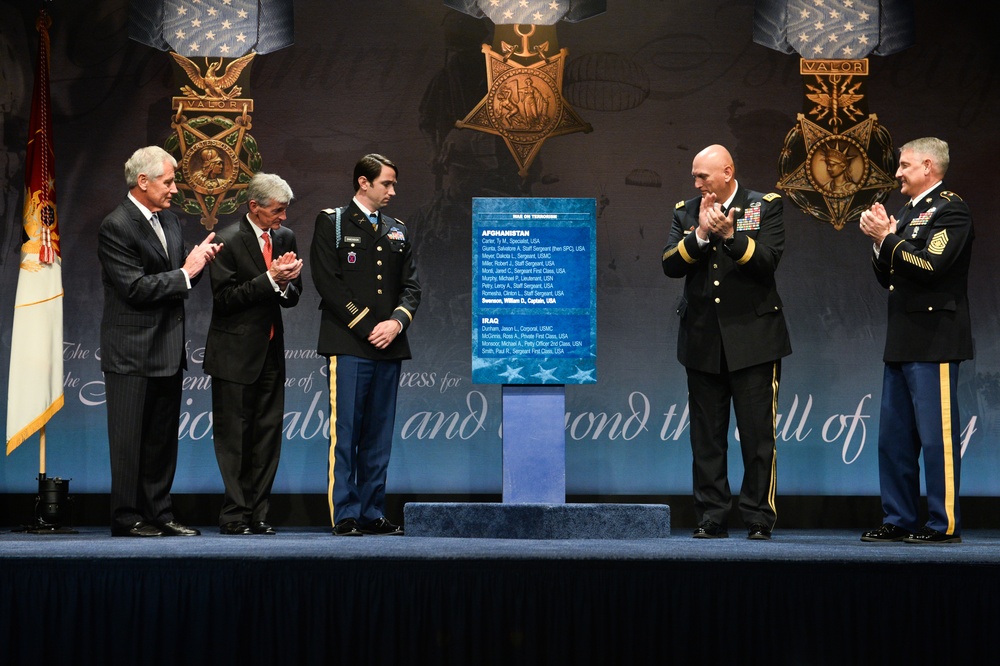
x: 51, y: 502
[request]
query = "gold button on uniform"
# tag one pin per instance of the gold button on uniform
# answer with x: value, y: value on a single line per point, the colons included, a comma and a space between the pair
x: 718, y: 300
x: 716, y: 283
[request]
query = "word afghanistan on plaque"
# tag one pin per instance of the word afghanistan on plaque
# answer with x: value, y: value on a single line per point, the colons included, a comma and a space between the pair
x: 534, y: 300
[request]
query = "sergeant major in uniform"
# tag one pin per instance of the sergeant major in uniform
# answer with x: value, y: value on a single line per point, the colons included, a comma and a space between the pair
x: 922, y: 259
x: 362, y: 266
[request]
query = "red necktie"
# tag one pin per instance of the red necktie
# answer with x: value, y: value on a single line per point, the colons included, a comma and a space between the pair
x: 267, y: 262
x: 267, y: 249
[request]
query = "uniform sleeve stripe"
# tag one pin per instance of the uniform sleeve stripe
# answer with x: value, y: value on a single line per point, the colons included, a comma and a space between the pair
x: 751, y: 246
x: 893, y: 254
x: 405, y: 311
x: 919, y: 262
x: 358, y: 318
x: 684, y: 253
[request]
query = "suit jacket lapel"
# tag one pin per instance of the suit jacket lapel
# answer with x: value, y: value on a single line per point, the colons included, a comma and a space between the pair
x: 145, y: 230
x: 175, y: 242
x: 740, y: 201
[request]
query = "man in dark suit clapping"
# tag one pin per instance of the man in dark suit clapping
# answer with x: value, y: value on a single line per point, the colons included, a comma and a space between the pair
x: 146, y: 276
x: 255, y: 275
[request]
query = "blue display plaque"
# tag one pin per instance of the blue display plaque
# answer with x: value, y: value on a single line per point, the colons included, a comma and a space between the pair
x: 534, y: 299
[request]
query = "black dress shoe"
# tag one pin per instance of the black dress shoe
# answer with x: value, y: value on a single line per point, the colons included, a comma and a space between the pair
x: 928, y: 535
x: 758, y: 532
x: 173, y: 528
x: 710, y: 530
x: 886, y: 533
x: 347, y: 527
x: 235, y: 527
x: 381, y: 527
x: 260, y: 527
x: 139, y: 529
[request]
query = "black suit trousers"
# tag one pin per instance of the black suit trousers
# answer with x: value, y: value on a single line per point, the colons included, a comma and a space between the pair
x: 247, y: 420
x: 143, y: 420
x: 753, y: 392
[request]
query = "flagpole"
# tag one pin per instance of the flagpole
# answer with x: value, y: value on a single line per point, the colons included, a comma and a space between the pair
x: 41, y: 453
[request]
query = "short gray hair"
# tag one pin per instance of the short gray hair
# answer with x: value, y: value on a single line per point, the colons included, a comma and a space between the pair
x: 267, y: 188
x: 931, y: 147
x: 148, y: 160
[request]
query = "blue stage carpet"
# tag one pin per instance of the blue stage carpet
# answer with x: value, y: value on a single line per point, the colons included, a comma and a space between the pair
x: 305, y: 597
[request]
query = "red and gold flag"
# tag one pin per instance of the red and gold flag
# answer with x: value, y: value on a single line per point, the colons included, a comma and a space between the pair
x: 35, y: 388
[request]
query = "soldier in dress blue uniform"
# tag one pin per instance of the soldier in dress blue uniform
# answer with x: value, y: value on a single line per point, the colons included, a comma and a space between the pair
x: 922, y: 257
x: 362, y: 265
x: 726, y: 244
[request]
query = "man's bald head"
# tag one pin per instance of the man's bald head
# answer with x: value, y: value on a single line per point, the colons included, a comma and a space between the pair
x: 713, y: 171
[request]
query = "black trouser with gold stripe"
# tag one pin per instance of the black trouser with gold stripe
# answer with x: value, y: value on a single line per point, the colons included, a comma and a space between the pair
x: 753, y: 393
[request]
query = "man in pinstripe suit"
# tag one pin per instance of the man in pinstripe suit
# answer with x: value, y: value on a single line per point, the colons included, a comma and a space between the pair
x: 146, y: 278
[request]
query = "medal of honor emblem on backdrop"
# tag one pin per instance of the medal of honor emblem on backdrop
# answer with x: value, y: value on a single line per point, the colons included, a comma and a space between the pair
x: 524, y: 102
x: 212, y: 43
x: 837, y: 160
x: 216, y: 154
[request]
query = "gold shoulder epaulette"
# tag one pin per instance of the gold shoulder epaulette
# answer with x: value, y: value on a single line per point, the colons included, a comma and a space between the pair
x: 679, y: 205
x: 950, y: 196
x: 329, y: 211
x: 771, y: 196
